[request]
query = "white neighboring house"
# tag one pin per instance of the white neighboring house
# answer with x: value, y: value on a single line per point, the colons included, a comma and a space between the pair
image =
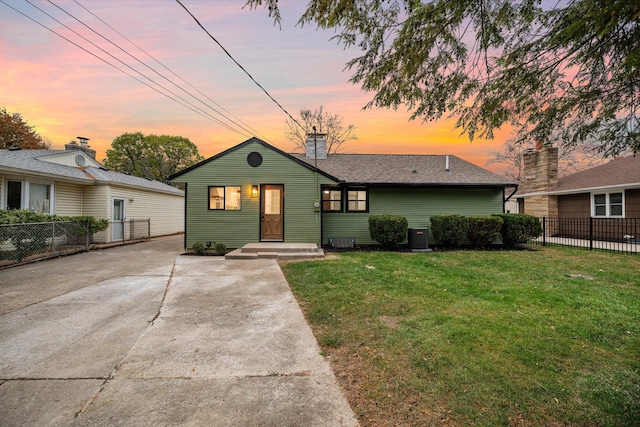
x: 71, y: 182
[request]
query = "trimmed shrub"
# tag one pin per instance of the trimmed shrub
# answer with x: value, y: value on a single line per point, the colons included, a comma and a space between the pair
x: 517, y: 229
x: 220, y: 249
x: 198, y: 248
x: 449, y: 230
x: 484, y: 230
x: 388, y: 230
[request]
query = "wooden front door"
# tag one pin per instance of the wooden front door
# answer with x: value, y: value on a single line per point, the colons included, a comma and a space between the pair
x: 272, y: 212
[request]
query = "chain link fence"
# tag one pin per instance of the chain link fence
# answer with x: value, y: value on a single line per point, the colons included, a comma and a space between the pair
x: 20, y: 243
x: 131, y: 230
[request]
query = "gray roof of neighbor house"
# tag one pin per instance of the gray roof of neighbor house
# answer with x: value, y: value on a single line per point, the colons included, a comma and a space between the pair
x: 34, y: 162
x: 392, y: 169
x: 620, y: 172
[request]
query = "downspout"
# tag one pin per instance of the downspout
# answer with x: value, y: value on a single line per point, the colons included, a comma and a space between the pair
x: 316, y: 203
x: 504, y: 202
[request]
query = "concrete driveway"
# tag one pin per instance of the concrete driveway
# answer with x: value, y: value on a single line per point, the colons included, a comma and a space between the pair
x: 140, y: 335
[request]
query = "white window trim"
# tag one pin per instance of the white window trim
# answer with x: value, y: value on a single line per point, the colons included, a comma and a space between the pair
x: 24, y: 197
x: 608, y: 204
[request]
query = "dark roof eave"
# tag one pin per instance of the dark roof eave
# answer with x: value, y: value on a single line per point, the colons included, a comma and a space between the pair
x: 430, y: 184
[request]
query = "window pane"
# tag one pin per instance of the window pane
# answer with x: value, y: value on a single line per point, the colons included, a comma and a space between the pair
x: 14, y: 195
x: 272, y: 202
x: 357, y: 200
x: 616, y: 210
x: 216, y: 197
x: 615, y: 198
x: 601, y: 211
x: 600, y: 199
x: 39, y: 198
x: 332, y: 200
x: 233, y: 197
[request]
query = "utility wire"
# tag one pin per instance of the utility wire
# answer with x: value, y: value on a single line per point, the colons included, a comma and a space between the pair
x: 249, y: 131
x: 240, y: 66
x: 129, y: 67
x: 184, y: 104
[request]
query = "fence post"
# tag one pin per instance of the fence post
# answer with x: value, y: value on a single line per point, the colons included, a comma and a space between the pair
x: 590, y: 233
x: 148, y: 228
x: 544, y: 231
x: 53, y: 236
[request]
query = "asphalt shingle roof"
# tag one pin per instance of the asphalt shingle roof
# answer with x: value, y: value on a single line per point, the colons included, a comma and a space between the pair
x: 34, y: 161
x: 405, y: 169
x: 621, y: 171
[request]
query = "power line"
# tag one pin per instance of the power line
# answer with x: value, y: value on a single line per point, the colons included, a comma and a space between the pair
x: 184, y: 104
x: 242, y: 126
x: 240, y: 66
x: 132, y: 69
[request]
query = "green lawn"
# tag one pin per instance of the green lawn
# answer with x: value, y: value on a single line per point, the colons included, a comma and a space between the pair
x: 545, y: 337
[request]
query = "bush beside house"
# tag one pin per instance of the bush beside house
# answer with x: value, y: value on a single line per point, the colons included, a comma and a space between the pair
x: 388, y: 230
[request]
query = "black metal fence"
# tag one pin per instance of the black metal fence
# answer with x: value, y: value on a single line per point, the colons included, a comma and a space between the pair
x: 608, y: 234
x: 21, y: 243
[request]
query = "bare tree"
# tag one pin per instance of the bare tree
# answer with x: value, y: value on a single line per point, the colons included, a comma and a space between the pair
x: 571, y: 159
x: 324, y: 122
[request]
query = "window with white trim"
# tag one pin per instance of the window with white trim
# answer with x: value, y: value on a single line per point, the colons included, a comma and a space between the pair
x: 34, y: 196
x: 225, y: 198
x: 608, y: 204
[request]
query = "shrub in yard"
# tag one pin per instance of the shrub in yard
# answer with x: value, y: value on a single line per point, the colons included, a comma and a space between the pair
x: 517, y: 229
x: 388, y: 230
x: 484, y: 230
x: 449, y: 230
x: 220, y: 248
x: 198, y: 248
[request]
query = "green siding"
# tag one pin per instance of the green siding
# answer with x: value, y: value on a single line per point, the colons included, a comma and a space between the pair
x: 415, y: 204
x: 236, y: 228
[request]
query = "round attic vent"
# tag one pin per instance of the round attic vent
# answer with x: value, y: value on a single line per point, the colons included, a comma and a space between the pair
x: 254, y: 159
x: 80, y: 160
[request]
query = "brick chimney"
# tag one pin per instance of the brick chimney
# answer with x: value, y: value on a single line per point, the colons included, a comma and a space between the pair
x: 541, y: 174
x: 540, y: 168
x: 82, y: 146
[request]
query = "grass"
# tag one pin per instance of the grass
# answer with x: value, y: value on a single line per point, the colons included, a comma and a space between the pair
x: 545, y: 337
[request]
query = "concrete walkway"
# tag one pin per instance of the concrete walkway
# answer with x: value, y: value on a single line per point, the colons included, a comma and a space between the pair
x: 139, y: 335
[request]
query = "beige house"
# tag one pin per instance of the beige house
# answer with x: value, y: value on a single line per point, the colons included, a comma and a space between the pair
x: 71, y: 182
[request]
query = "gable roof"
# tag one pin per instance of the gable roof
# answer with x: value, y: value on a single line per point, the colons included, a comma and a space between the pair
x: 34, y: 162
x: 384, y: 169
x: 623, y: 172
x: 406, y: 169
x: 249, y: 141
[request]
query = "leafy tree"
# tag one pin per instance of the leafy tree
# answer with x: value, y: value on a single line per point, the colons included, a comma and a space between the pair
x: 151, y: 156
x: 554, y: 69
x: 15, y: 132
x: 324, y: 122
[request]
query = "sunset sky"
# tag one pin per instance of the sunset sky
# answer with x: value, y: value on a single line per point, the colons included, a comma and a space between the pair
x: 66, y: 92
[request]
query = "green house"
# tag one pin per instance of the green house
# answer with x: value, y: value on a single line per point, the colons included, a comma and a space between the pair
x: 254, y: 192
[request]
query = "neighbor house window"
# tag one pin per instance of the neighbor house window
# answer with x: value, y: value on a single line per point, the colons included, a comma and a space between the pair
x: 608, y: 204
x: 39, y: 198
x: 357, y: 200
x: 332, y: 200
x: 225, y: 198
x: 29, y: 195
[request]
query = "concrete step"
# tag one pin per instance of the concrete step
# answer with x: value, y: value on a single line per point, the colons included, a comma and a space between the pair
x: 279, y: 247
x: 240, y: 254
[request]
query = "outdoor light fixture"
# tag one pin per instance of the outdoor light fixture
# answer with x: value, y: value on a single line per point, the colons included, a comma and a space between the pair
x: 254, y: 191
